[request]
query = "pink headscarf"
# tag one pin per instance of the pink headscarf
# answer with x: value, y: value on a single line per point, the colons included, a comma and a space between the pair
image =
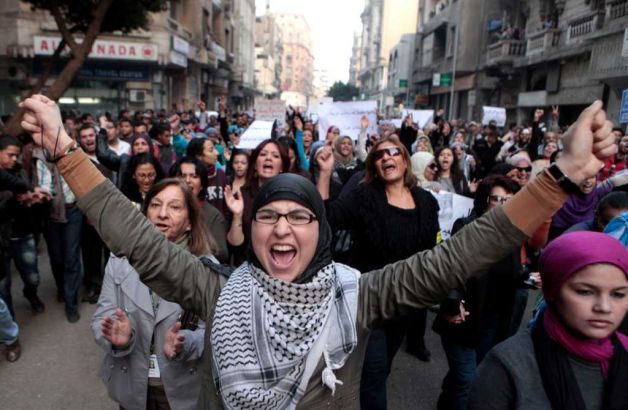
x: 566, y: 255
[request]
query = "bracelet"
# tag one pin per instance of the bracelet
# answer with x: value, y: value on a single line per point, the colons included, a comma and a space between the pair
x: 67, y: 152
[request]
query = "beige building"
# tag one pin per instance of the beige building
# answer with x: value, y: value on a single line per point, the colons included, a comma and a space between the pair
x: 321, y: 83
x: 383, y: 24
x: 269, y: 50
x: 297, y: 60
x: 242, y: 85
x: 188, y: 52
x: 356, y: 60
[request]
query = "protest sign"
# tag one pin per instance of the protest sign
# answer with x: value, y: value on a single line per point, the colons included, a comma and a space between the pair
x: 270, y: 110
x: 421, y: 117
x: 452, y: 207
x: 347, y: 116
x: 396, y: 122
x: 497, y: 114
x: 312, y: 109
x: 256, y: 133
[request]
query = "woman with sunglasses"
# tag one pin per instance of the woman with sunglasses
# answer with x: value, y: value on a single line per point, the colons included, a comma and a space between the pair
x: 390, y: 218
x: 424, y: 168
x: 523, y: 164
x: 476, y: 317
x: 290, y: 307
x: 574, y: 356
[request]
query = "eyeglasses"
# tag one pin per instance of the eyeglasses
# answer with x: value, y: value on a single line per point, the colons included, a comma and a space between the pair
x: 392, y: 152
x: 498, y: 199
x: 433, y: 166
x: 524, y: 169
x: 146, y: 177
x: 296, y: 217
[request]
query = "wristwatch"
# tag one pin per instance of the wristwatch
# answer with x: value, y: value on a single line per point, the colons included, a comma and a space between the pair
x: 563, y: 180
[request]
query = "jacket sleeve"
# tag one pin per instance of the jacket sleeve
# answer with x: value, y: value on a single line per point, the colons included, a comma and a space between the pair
x: 107, y: 304
x: 535, y: 141
x: 426, y: 278
x: 305, y: 161
x: 12, y: 183
x: 341, y: 212
x: 172, y: 272
x: 106, y: 156
x: 193, y: 343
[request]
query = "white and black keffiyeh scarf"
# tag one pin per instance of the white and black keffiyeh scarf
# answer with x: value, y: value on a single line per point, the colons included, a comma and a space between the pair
x: 264, y: 330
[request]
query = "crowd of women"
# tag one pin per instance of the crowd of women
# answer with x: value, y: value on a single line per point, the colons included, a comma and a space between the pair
x: 289, y: 276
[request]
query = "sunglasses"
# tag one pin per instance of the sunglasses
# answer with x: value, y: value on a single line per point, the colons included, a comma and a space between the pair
x: 392, y: 152
x: 433, y: 166
x: 526, y: 169
x: 499, y: 199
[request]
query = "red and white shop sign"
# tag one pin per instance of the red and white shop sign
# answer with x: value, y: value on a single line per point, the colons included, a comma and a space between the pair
x: 107, y: 49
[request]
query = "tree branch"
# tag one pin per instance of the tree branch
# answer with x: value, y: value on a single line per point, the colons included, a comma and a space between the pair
x: 49, y: 66
x: 63, y: 28
x: 93, y: 30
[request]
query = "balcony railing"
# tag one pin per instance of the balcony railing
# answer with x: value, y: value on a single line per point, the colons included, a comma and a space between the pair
x: 617, y: 9
x: 581, y: 27
x: 505, y: 51
x: 542, y: 41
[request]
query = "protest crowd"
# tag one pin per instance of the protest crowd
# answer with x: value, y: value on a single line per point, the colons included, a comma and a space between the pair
x: 240, y: 262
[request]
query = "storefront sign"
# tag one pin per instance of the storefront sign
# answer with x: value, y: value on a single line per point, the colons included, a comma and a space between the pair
x: 101, y: 70
x: 179, y: 59
x: 106, y: 49
x: 180, y: 45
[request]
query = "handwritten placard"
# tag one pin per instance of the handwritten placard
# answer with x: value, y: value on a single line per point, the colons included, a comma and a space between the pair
x: 270, y: 110
x: 347, y: 116
x: 497, y: 114
x: 256, y: 133
x: 421, y: 117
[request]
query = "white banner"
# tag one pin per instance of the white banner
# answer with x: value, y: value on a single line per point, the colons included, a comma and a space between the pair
x: 109, y: 49
x: 497, y: 114
x: 347, y: 116
x: 452, y: 207
x: 257, y: 132
x: 270, y: 110
x: 421, y: 117
x: 315, y: 103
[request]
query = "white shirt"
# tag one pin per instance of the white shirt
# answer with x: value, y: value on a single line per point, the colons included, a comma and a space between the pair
x: 123, y: 148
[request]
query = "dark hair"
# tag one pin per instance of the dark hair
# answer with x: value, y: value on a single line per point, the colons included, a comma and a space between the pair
x: 129, y: 185
x: 456, y: 174
x: 480, y: 203
x: 234, y: 154
x: 201, y: 241
x: 9, y: 140
x: 618, y: 129
x: 86, y: 116
x: 124, y: 119
x: 195, y: 147
x: 613, y: 200
x: 371, y: 175
x: 201, y: 171
x: 157, y: 130
x: 290, y: 144
x: 252, y: 182
x: 86, y: 127
x: 137, y: 123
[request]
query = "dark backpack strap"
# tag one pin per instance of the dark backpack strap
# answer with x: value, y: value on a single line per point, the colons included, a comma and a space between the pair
x: 221, y: 269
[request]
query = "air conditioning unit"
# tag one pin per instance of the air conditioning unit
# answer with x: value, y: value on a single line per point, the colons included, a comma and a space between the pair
x: 137, y: 95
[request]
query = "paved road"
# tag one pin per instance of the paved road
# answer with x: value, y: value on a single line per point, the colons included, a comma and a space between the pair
x: 60, y: 361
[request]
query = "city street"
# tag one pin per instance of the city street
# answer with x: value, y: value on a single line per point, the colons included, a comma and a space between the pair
x: 60, y: 361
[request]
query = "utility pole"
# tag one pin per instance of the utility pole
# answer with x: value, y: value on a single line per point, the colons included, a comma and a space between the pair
x: 453, y: 75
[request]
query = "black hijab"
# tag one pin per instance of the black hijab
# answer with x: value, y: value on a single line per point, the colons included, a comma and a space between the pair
x: 293, y: 187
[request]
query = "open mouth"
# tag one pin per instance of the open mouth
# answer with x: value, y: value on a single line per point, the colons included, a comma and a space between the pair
x: 283, y: 255
x: 161, y: 226
x: 388, y: 167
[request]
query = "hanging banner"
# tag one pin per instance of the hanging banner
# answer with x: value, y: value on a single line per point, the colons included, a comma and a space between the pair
x: 257, y: 132
x: 422, y: 118
x: 452, y: 206
x: 497, y: 114
x: 347, y: 116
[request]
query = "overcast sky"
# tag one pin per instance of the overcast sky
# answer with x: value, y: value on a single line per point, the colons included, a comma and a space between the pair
x: 332, y: 24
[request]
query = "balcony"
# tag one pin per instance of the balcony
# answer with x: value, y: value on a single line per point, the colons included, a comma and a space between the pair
x: 505, y: 51
x: 617, y: 9
x: 581, y: 27
x: 542, y: 41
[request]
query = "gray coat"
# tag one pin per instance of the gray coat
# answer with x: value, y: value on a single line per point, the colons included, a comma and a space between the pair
x: 125, y: 372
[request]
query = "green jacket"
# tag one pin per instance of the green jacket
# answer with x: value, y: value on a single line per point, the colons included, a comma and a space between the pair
x: 419, y: 281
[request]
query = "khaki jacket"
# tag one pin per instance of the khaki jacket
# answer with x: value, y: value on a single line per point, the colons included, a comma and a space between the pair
x: 419, y: 281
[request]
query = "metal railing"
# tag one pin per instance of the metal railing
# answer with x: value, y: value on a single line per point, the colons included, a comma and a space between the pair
x: 617, y: 9
x: 581, y: 27
x: 542, y: 41
x: 505, y: 50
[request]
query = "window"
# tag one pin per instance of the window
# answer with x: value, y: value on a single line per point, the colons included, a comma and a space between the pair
x: 451, y: 41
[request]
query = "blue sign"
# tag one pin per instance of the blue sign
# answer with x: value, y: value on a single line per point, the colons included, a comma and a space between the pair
x: 623, y: 110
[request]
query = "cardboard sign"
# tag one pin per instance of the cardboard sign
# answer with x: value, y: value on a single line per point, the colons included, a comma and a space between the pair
x: 270, y: 110
x: 452, y: 207
x: 497, y: 114
x: 347, y: 116
x: 256, y: 133
x: 421, y: 117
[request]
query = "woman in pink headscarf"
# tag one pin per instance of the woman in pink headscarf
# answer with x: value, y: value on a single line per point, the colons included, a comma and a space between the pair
x: 574, y: 357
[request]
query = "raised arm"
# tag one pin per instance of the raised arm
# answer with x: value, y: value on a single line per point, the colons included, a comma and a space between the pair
x: 426, y: 277
x: 298, y: 125
x: 171, y: 271
x: 105, y: 155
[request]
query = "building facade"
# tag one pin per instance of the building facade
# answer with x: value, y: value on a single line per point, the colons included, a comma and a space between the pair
x: 297, y: 59
x: 188, y: 52
x: 356, y: 60
x: 520, y: 55
x: 269, y: 51
x: 242, y: 84
x: 400, y: 61
x: 383, y: 24
x: 321, y: 83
